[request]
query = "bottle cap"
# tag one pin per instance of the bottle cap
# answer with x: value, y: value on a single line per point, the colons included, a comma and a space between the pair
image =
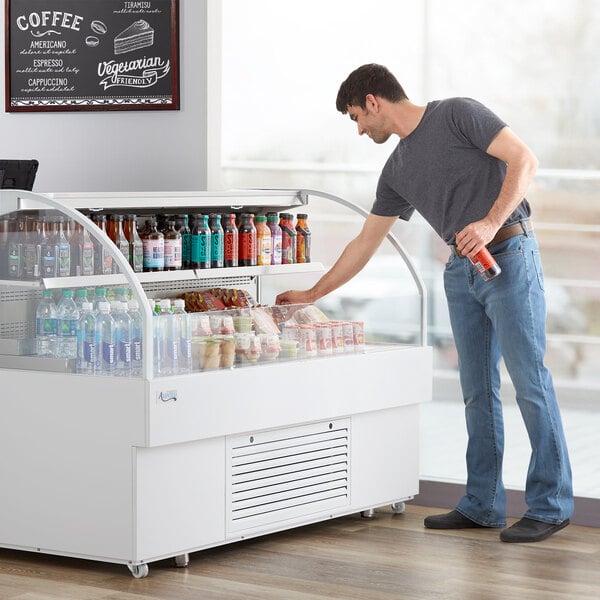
x: 260, y: 218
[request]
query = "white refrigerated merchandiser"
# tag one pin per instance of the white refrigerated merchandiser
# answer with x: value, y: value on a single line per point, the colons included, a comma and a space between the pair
x: 136, y: 469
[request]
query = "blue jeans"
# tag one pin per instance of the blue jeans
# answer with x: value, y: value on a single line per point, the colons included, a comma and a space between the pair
x: 506, y: 317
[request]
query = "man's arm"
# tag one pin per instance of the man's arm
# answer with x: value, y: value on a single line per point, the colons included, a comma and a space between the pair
x: 354, y: 257
x: 521, y: 165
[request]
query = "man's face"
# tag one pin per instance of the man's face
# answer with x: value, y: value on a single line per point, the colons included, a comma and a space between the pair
x: 369, y: 121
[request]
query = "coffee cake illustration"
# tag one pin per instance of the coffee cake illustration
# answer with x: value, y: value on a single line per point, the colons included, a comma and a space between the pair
x: 138, y: 35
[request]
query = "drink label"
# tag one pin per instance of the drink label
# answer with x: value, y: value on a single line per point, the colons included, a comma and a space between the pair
x: 67, y: 327
x: 136, y: 350
x: 186, y: 247
x: 201, y: 248
x: 217, y: 249
x: 87, y: 259
x: 89, y: 352
x: 64, y: 260
x: 108, y: 353
x: 48, y: 253
x: 173, y: 253
x: 230, y: 244
x: 137, y: 257
x: 125, y: 352
x: 14, y: 260
x: 154, y: 253
x: 46, y: 326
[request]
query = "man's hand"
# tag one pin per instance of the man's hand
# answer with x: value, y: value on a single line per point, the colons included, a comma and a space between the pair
x: 471, y: 239
x: 294, y: 297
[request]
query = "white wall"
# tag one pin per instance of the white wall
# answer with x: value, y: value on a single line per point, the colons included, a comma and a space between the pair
x: 121, y: 150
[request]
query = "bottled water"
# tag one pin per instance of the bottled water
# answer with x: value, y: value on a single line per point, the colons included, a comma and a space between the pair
x: 45, y: 319
x: 81, y: 297
x: 122, y: 338
x: 67, y: 319
x: 157, y: 339
x: 105, y: 341
x: 86, y: 340
x: 185, y: 336
x: 136, y: 338
x: 168, y: 333
x: 99, y: 296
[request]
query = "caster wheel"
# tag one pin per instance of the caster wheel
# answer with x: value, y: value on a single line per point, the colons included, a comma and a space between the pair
x: 367, y: 514
x: 398, y: 508
x: 139, y: 571
x: 182, y: 561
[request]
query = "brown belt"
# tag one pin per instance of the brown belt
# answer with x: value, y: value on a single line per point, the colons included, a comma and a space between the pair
x: 505, y: 233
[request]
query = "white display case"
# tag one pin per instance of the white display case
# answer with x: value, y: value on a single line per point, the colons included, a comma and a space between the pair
x: 136, y: 469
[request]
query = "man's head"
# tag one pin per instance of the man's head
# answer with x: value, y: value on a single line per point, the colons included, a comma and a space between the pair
x: 368, y: 79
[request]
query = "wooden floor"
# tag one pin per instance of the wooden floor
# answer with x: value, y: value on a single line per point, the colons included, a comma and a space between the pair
x: 390, y: 556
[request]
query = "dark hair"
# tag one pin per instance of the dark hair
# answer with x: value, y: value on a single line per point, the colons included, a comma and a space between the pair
x: 368, y: 79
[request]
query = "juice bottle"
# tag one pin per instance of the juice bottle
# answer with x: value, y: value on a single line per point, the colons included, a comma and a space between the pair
x: 63, y: 250
x: 136, y: 246
x: 217, y: 249
x: 263, y: 241
x: 47, y: 250
x: 302, y: 239
x: 201, y: 243
x: 273, y: 225
x: 154, y: 248
x: 247, y: 241
x: 173, y: 248
x: 230, y: 242
x: 102, y: 258
x: 186, y: 242
x: 117, y: 235
x: 288, y: 239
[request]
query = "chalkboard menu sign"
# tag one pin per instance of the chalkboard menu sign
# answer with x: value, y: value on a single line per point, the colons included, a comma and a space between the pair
x: 91, y: 55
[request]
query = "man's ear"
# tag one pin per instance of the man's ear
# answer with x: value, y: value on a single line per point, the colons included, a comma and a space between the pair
x: 372, y: 102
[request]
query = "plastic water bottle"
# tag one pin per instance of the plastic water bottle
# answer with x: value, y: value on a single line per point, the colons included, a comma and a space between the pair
x: 185, y: 336
x: 45, y: 319
x: 122, y: 338
x: 136, y: 337
x: 99, y: 296
x: 81, y: 297
x: 86, y: 340
x: 169, y: 334
x: 67, y: 320
x: 105, y: 341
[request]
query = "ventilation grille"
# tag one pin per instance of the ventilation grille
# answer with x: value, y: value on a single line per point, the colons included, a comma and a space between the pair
x: 288, y: 473
x: 196, y: 284
x: 17, y: 312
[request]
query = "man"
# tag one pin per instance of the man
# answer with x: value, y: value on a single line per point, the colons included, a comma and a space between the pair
x: 466, y: 172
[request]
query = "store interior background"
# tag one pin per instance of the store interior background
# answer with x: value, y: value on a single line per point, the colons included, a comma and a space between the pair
x: 258, y: 87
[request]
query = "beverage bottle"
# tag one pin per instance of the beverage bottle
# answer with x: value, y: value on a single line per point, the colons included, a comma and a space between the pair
x: 99, y: 296
x: 136, y: 247
x: 30, y: 268
x: 105, y: 341
x: 217, y: 242
x: 169, y: 334
x: 302, y: 239
x: 154, y: 248
x: 47, y: 249
x: 263, y: 241
x: 486, y: 265
x: 288, y: 239
x: 86, y: 340
x: 184, y: 327
x: 103, y: 262
x: 230, y: 242
x: 16, y: 240
x: 81, y: 298
x: 186, y: 243
x: 4, y: 238
x: 121, y: 295
x: 45, y: 319
x: 63, y: 250
x: 122, y: 338
x: 67, y: 320
x: 201, y: 243
x: 136, y: 337
x: 275, y: 238
x: 82, y: 251
x: 173, y: 248
x: 247, y: 241
x: 117, y: 235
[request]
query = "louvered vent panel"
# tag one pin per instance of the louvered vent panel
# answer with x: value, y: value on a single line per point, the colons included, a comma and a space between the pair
x: 288, y: 473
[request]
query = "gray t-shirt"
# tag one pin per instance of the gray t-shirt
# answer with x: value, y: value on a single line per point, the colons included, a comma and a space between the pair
x: 442, y: 169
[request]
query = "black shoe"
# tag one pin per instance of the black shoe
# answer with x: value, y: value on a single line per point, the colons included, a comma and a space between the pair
x: 529, y: 530
x: 451, y: 520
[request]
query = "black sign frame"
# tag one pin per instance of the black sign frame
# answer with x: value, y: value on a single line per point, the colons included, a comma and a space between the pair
x: 93, y: 58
